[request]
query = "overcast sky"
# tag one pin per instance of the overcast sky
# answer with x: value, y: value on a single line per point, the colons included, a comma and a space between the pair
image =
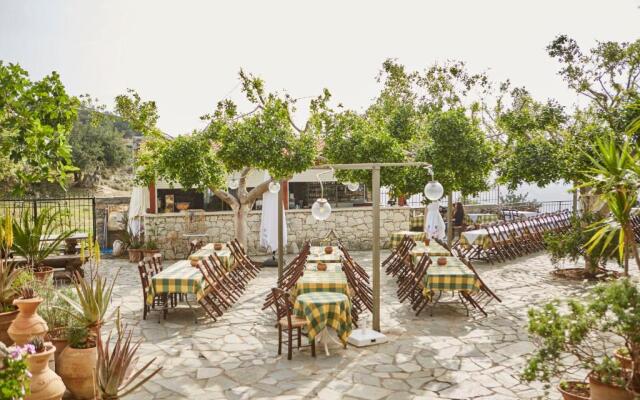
x: 186, y: 54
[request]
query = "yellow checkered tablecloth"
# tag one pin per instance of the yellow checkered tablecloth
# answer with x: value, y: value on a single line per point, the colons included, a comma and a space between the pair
x: 180, y: 277
x: 321, y: 281
x: 480, y: 219
x: 452, y: 276
x: 396, y: 237
x: 434, y: 249
x: 224, y: 255
x: 416, y: 223
x: 317, y: 254
x: 325, y: 309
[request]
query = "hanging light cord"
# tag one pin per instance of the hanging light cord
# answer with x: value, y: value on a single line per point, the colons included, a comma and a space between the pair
x: 320, y: 180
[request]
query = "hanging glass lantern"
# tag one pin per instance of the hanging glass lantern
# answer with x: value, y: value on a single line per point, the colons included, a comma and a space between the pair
x: 352, y: 186
x: 321, y: 209
x: 433, y: 190
x: 233, y: 183
x: 274, y: 187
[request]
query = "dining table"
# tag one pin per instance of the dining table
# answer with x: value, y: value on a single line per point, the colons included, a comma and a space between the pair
x: 324, y: 310
x: 318, y: 254
x: 321, y: 281
x: 179, y: 277
x: 480, y: 218
x: 433, y: 249
x: 396, y: 237
x: 223, y: 254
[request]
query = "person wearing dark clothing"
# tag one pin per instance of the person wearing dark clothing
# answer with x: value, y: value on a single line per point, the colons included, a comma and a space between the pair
x: 458, y: 214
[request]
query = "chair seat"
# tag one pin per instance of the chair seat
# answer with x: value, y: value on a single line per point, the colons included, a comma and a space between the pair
x: 295, y: 322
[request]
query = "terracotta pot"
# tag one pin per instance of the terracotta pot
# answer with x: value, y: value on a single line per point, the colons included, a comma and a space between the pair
x: 77, y: 370
x: 45, y: 384
x: 149, y: 252
x: 135, y: 255
x: 217, y: 246
x: 43, y: 273
x: 569, y: 394
x: 427, y: 241
x: 28, y: 324
x: 328, y: 250
x: 6, y: 318
x: 605, y: 391
x: 321, y: 267
x: 442, y: 261
x: 625, y: 361
x: 60, y: 344
x: 402, y: 201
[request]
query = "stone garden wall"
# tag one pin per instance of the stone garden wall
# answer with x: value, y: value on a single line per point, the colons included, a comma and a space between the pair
x: 352, y: 225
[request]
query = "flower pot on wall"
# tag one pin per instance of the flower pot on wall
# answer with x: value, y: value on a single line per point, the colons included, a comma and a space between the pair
x: 605, y: 391
x: 28, y: 324
x: 6, y: 318
x: 77, y: 368
x: 44, y: 384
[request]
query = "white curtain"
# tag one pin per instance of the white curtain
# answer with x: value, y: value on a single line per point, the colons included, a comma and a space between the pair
x: 433, y: 222
x: 137, y: 208
x: 269, y: 222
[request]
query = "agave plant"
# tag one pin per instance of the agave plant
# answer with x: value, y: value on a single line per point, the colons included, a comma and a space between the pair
x: 114, y: 368
x: 8, y: 273
x: 93, y: 301
x: 28, y: 232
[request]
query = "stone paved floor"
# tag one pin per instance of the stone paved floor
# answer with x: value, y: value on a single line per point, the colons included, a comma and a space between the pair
x: 444, y: 356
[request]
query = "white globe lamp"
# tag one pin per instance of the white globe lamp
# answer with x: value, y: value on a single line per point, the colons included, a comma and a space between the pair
x: 321, y: 209
x: 233, y: 183
x: 274, y: 187
x: 352, y: 186
x: 433, y: 190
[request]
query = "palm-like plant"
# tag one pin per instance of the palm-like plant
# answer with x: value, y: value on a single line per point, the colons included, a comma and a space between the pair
x: 29, y: 231
x: 615, y: 174
x: 115, y: 365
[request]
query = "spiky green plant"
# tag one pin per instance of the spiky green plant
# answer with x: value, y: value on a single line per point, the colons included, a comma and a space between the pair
x: 38, y: 344
x: 28, y: 231
x: 114, y: 365
x: 8, y: 272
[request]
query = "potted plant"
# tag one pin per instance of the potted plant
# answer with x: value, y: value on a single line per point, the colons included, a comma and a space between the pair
x: 14, y: 379
x: 8, y: 275
x: 574, y: 390
x: 44, y: 383
x: 134, y: 249
x: 150, y: 248
x: 78, y: 363
x: 28, y: 324
x: 57, y: 313
x: 36, y: 237
x: 583, y: 329
x: 114, y: 371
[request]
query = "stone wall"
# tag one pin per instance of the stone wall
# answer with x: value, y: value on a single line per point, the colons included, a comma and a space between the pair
x: 352, y: 225
x: 104, y: 206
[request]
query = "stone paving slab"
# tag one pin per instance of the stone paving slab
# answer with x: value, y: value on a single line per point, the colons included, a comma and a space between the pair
x: 447, y: 356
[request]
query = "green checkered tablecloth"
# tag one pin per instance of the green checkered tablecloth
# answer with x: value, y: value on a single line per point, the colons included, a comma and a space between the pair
x: 396, y: 237
x: 224, y: 255
x: 480, y: 219
x: 321, y: 281
x: 180, y: 277
x: 416, y: 223
x: 331, y: 267
x: 317, y: 254
x: 325, y: 309
x: 434, y: 249
x: 476, y: 237
x: 452, y: 276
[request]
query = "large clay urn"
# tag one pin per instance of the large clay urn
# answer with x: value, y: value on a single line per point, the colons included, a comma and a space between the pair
x: 45, y: 384
x: 28, y: 324
x: 6, y: 318
x: 77, y: 368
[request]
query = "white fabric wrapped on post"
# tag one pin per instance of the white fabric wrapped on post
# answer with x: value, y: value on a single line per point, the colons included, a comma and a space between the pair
x: 269, y: 222
x: 137, y: 208
x: 433, y: 222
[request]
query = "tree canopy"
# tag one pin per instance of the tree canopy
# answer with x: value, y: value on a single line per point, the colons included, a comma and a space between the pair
x: 36, y: 118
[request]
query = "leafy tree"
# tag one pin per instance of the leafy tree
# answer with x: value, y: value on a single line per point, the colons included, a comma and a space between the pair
x: 97, y: 143
x: 35, y: 120
x: 266, y: 138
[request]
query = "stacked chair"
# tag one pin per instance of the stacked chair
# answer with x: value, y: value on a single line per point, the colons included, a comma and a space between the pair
x: 359, y: 282
x: 290, y: 275
x: 635, y: 223
x: 147, y: 268
x: 195, y: 245
x: 224, y: 287
x: 410, y: 279
x: 515, y: 238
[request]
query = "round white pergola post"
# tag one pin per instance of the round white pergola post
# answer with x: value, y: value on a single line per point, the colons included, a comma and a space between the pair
x: 375, y: 248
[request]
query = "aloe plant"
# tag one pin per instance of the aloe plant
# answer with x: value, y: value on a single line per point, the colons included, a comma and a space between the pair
x: 28, y: 232
x: 115, y: 366
x: 8, y: 273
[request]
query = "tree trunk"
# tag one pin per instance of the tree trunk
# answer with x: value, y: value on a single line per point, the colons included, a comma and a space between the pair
x: 241, y: 224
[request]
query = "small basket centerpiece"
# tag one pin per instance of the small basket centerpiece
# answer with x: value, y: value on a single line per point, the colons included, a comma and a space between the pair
x: 442, y: 261
x: 194, y: 260
x: 427, y: 241
x: 217, y: 246
x: 321, y: 266
x: 328, y: 250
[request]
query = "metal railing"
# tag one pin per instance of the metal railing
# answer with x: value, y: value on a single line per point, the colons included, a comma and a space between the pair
x: 75, y: 212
